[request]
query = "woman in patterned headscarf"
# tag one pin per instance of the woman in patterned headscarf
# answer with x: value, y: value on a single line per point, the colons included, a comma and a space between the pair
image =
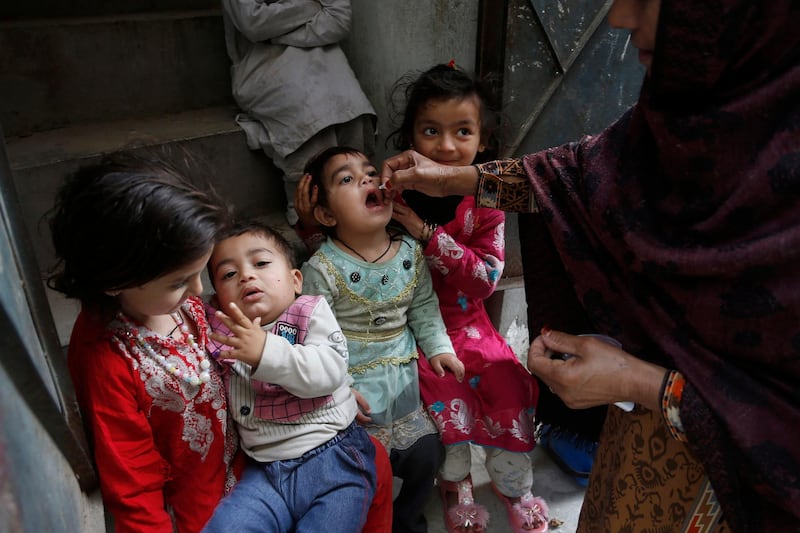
x: 680, y: 226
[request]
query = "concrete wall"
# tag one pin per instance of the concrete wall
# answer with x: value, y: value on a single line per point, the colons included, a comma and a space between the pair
x: 392, y: 37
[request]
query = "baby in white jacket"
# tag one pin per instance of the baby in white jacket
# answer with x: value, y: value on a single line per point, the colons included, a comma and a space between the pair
x: 285, y: 360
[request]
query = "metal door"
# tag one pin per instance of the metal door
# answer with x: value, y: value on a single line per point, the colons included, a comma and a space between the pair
x: 566, y: 73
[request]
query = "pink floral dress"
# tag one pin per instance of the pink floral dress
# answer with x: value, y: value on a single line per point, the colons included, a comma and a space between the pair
x: 495, y: 403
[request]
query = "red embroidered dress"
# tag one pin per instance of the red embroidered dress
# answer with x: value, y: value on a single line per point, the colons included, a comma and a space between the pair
x: 495, y: 403
x: 159, y: 442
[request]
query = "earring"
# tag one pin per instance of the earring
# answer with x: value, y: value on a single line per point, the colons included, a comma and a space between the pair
x: 113, y: 294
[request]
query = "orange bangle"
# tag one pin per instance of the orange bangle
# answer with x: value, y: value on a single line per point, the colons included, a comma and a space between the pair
x: 671, y: 394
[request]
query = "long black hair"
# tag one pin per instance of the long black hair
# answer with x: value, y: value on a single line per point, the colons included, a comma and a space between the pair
x: 442, y: 82
x: 127, y: 221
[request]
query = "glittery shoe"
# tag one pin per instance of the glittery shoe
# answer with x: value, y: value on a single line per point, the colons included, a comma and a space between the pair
x: 466, y: 516
x: 528, y: 515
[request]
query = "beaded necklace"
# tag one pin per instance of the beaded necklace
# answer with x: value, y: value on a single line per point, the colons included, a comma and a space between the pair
x: 136, y: 337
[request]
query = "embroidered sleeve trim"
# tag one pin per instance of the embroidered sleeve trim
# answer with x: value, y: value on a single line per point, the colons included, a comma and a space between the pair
x: 504, y: 185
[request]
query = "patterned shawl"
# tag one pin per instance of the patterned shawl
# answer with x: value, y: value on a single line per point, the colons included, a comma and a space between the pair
x: 680, y: 225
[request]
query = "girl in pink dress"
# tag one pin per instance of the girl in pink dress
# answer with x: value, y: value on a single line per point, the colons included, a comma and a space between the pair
x: 448, y: 119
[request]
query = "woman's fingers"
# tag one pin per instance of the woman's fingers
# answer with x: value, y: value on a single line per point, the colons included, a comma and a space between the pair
x: 397, y: 162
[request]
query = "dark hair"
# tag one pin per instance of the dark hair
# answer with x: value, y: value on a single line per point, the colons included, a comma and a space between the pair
x: 127, y: 221
x: 442, y: 82
x: 316, y: 166
x: 256, y: 227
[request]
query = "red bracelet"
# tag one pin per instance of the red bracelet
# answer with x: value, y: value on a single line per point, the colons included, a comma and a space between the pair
x: 671, y: 394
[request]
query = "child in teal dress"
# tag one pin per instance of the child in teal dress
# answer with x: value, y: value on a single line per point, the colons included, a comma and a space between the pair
x: 380, y: 290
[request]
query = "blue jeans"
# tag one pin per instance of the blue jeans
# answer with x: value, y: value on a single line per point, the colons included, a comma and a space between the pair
x: 328, y: 488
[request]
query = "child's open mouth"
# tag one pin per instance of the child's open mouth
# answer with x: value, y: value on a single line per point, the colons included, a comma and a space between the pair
x: 373, y: 200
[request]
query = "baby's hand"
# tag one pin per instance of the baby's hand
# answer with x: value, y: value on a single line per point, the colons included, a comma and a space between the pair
x: 247, y: 338
x: 363, y: 408
x: 449, y: 361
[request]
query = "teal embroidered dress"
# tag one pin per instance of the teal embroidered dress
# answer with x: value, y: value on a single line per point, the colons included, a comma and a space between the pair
x: 386, y: 311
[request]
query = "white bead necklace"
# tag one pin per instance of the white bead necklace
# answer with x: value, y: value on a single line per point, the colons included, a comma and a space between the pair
x: 189, y: 377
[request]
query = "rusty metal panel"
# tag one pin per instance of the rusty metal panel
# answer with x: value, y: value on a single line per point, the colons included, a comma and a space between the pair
x: 567, y: 72
x: 566, y: 24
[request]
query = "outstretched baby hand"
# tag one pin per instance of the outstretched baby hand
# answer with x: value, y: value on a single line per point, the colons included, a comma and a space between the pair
x: 449, y: 361
x: 363, y: 408
x: 247, y: 338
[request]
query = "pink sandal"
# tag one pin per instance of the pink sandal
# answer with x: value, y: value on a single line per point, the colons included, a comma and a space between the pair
x: 466, y: 515
x: 529, y: 515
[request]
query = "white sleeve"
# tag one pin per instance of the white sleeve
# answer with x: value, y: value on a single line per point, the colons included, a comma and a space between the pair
x: 261, y: 21
x: 315, y: 368
x: 329, y: 26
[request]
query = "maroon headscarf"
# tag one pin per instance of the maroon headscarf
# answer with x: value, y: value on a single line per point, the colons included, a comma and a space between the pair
x: 680, y: 225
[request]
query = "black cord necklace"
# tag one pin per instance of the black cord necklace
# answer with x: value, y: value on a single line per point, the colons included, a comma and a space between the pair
x: 175, y: 317
x: 386, y: 251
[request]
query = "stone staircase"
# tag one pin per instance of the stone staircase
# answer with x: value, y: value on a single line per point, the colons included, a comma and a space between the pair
x: 89, y: 78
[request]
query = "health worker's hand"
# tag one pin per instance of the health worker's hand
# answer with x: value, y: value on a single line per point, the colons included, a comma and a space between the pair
x: 597, y: 373
x: 412, y: 170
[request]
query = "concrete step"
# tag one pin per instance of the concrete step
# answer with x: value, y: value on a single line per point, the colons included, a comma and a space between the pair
x: 63, y: 71
x: 39, y: 162
x: 86, y: 8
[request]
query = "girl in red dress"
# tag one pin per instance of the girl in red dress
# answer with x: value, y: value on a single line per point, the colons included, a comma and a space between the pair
x: 132, y: 237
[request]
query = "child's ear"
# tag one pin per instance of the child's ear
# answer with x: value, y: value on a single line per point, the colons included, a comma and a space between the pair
x: 324, y: 216
x: 297, y: 281
x: 481, y: 148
